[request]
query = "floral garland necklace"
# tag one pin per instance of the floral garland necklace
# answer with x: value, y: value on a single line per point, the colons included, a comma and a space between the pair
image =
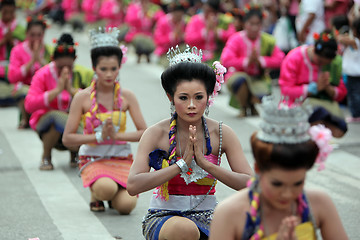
x: 92, y: 121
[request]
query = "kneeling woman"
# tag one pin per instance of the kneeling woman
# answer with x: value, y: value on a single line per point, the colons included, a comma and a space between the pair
x: 105, y: 156
x: 186, y: 174
x: 275, y: 206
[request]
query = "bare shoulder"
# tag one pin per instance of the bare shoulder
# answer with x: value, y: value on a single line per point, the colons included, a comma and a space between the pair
x: 127, y: 93
x: 317, y: 198
x: 230, y: 214
x: 237, y: 204
x: 158, y: 131
x: 83, y: 94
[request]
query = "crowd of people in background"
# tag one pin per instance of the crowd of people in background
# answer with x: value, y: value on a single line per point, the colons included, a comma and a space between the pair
x: 310, y: 48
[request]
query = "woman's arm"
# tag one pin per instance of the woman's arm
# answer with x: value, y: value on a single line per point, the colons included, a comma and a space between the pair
x: 240, y: 169
x: 229, y: 217
x: 140, y: 178
x: 136, y: 116
x: 70, y: 137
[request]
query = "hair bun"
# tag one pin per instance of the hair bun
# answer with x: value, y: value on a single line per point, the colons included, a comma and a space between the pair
x: 66, y: 38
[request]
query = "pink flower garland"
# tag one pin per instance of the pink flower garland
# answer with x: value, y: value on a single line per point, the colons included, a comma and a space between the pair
x: 219, y: 70
x: 124, y: 50
x: 321, y: 136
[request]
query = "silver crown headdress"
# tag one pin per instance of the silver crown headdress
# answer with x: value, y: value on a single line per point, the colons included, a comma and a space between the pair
x: 174, y: 55
x: 281, y: 123
x: 104, y: 37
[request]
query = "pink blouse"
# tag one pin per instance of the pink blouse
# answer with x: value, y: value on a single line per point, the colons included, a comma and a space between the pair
x: 3, y: 49
x: 140, y: 22
x: 111, y: 11
x: 236, y: 53
x: 37, y: 100
x: 20, y: 56
x: 195, y: 35
x: 297, y: 71
x: 164, y: 36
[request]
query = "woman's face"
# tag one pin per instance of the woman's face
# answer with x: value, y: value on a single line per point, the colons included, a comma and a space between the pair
x: 190, y: 99
x: 107, y: 69
x: 64, y: 62
x: 7, y: 13
x: 321, y: 61
x: 280, y: 188
x: 253, y: 26
x: 35, y: 34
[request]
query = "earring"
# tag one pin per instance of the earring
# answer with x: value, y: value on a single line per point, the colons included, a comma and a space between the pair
x: 172, y: 108
x: 95, y: 76
x: 207, y: 111
x: 118, y: 78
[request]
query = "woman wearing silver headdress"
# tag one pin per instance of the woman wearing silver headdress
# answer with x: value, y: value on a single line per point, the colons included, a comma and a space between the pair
x: 275, y: 205
x: 105, y: 155
x: 186, y: 154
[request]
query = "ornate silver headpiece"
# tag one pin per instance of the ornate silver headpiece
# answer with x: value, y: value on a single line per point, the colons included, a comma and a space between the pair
x: 174, y: 55
x: 281, y: 123
x: 104, y: 37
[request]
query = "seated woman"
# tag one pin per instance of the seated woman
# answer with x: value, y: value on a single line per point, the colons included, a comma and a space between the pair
x: 105, y: 154
x: 249, y: 55
x: 28, y: 57
x: 169, y: 30
x: 11, y: 34
x: 275, y: 205
x: 49, y: 97
x: 314, y: 73
x: 185, y: 176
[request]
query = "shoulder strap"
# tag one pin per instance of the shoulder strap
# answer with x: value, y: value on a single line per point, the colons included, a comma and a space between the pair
x: 220, y: 141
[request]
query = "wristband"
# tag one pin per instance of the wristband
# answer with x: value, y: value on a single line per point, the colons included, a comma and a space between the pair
x: 182, y: 165
x: 98, y: 136
x: 312, y: 88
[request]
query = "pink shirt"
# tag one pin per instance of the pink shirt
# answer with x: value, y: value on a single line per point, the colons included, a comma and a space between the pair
x: 340, y: 9
x: 195, y: 35
x: 297, y: 71
x: 140, y: 22
x: 91, y: 10
x: 3, y: 49
x: 236, y: 53
x: 164, y: 35
x: 70, y: 8
x: 37, y: 100
x: 20, y: 56
x: 111, y: 11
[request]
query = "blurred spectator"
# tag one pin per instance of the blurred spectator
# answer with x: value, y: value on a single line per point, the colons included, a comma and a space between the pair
x: 335, y: 8
x: 351, y: 70
x: 26, y: 58
x: 169, y: 30
x: 141, y: 16
x: 202, y: 29
x: 310, y: 20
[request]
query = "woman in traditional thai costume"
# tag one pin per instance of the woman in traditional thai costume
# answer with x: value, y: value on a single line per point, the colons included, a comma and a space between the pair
x: 314, y: 73
x: 48, y: 100
x: 26, y: 58
x: 202, y: 29
x: 105, y: 155
x: 11, y: 33
x: 169, y: 30
x: 141, y: 16
x: 249, y: 54
x: 275, y: 204
x: 186, y: 174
